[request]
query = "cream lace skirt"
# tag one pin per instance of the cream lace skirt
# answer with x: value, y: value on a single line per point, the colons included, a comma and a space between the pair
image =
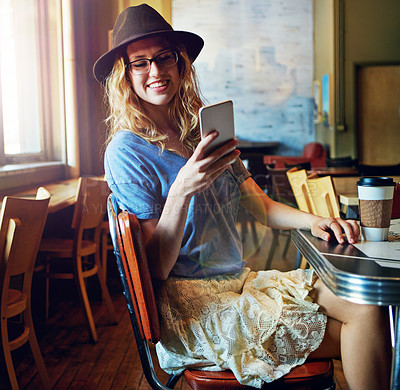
x: 257, y: 324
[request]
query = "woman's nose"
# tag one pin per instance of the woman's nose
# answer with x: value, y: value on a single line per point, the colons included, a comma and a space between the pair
x: 154, y: 69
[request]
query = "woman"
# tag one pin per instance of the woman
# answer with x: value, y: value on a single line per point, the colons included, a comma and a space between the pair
x: 215, y: 312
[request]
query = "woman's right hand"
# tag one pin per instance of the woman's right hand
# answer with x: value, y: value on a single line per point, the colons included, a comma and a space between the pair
x: 202, y: 169
x: 163, y: 237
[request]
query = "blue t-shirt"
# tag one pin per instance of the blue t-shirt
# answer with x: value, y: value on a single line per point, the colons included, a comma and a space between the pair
x: 140, y: 176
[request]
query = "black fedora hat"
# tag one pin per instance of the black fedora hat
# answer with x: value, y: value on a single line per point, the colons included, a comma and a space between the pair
x: 139, y: 22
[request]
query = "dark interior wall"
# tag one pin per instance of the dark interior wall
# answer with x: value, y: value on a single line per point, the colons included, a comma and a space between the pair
x: 92, y: 21
x: 371, y: 36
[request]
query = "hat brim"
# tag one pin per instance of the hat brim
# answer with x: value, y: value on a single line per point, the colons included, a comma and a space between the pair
x: 192, y: 42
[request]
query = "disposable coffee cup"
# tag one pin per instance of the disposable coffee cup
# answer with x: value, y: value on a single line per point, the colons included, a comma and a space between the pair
x: 375, y: 196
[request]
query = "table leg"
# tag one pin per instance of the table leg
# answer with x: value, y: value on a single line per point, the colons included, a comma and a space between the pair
x: 395, y: 382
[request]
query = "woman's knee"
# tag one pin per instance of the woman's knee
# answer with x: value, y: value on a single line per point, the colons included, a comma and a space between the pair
x: 341, y: 309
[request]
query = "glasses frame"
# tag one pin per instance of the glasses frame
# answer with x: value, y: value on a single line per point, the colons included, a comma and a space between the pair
x: 150, y: 61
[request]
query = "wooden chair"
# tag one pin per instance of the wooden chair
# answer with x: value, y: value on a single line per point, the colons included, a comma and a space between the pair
x: 83, y: 249
x: 106, y: 246
x: 313, y: 153
x: 323, y: 196
x: 298, y: 182
x: 138, y: 290
x: 316, y: 196
x: 279, y: 189
x: 21, y: 226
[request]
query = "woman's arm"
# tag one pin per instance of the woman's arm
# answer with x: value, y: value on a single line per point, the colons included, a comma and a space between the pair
x: 163, y: 237
x: 280, y: 216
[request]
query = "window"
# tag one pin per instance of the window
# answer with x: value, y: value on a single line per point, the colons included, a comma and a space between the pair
x: 31, y: 108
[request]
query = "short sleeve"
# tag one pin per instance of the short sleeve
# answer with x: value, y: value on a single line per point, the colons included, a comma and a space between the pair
x: 132, y: 182
x: 240, y: 171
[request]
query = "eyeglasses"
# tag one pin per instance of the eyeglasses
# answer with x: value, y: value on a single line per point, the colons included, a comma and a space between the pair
x: 163, y: 60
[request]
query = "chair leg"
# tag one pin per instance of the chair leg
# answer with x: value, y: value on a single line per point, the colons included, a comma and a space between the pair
x: 254, y: 232
x: 274, y: 245
x: 244, y: 229
x: 298, y: 259
x: 104, y: 252
x: 47, y: 292
x: 104, y: 290
x: 80, y: 281
x: 286, y: 248
x: 41, y: 367
x: 7, y: 355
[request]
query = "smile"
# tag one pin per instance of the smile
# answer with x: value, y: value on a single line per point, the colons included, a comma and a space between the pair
x: 158, y: 84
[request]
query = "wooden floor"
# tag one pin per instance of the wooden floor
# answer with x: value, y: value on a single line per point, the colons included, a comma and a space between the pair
x: 112, y: 363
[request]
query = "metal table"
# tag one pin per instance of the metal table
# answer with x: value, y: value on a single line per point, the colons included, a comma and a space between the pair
x: 352, y: 275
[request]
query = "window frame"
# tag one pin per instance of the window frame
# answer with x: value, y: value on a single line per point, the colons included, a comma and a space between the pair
x: 50, y: 163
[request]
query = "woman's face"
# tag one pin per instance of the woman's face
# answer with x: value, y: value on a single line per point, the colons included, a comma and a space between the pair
x: 159, y: 85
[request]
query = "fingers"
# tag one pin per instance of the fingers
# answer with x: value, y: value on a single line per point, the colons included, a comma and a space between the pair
x: 338, y: 228
x: 351, y: 230
x: 335, y: 227
x: 220, y: 162
x: 204, y: 143
x: 208, y: 158
x: 220, y: 165
x: 200, y: 170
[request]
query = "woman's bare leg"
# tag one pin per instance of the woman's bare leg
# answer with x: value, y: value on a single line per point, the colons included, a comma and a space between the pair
x: 364, y: 339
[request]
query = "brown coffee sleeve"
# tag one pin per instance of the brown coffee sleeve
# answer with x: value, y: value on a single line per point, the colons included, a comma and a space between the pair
x: 375, y: 213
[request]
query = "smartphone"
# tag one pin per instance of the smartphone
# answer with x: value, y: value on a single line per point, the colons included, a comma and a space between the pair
x: 217, y: 117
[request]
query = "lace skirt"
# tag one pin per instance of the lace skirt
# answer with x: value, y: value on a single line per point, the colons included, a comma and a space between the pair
x: 258, y: 324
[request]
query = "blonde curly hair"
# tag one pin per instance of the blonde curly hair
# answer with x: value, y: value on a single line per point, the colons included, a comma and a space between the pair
x: 126, y: 111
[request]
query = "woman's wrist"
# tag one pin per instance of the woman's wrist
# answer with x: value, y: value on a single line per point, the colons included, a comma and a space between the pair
x: 181, y: 190
x: 312, y: 220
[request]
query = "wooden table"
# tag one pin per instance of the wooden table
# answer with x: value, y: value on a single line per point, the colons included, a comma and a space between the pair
x: 62, y: 193
x: 252, y: 147
x: 354, y: 275
x: 334, y: 171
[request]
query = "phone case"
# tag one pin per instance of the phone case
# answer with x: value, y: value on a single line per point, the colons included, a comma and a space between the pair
x: 217, y: 117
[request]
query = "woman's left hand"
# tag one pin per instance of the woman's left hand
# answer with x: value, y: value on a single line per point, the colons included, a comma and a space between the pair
x: 326, y: 227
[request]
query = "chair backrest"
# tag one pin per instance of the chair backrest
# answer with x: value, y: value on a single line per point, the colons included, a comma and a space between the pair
x: 134, y: 270
x: 316, y: 196
x: 22, y: 222
x: 279, y: 188
x: 324, y: 197
x: 314, y: 150
x: 90, y: 203
x: 301, y: 191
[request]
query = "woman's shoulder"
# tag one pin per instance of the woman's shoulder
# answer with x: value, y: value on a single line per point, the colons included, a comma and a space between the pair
x: 125, y: 140
x: 126, y: 137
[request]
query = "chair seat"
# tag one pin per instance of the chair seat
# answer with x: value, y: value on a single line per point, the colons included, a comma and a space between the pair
x: 61, y: 247
x: 16, y: 302
x: 310, y: 375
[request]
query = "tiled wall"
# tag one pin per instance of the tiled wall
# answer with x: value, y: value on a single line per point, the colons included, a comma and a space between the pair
x: 258, y: 53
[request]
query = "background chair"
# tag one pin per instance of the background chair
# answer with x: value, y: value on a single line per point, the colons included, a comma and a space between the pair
x: 316, y: 196
x: 301, y: 190
x: 313, y: 153
x: 279, y: 190
x: 83, y: 249
x: 323, y: 196
x: 106, y: 245
x: 21, y: 226
x: 139, y: 293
